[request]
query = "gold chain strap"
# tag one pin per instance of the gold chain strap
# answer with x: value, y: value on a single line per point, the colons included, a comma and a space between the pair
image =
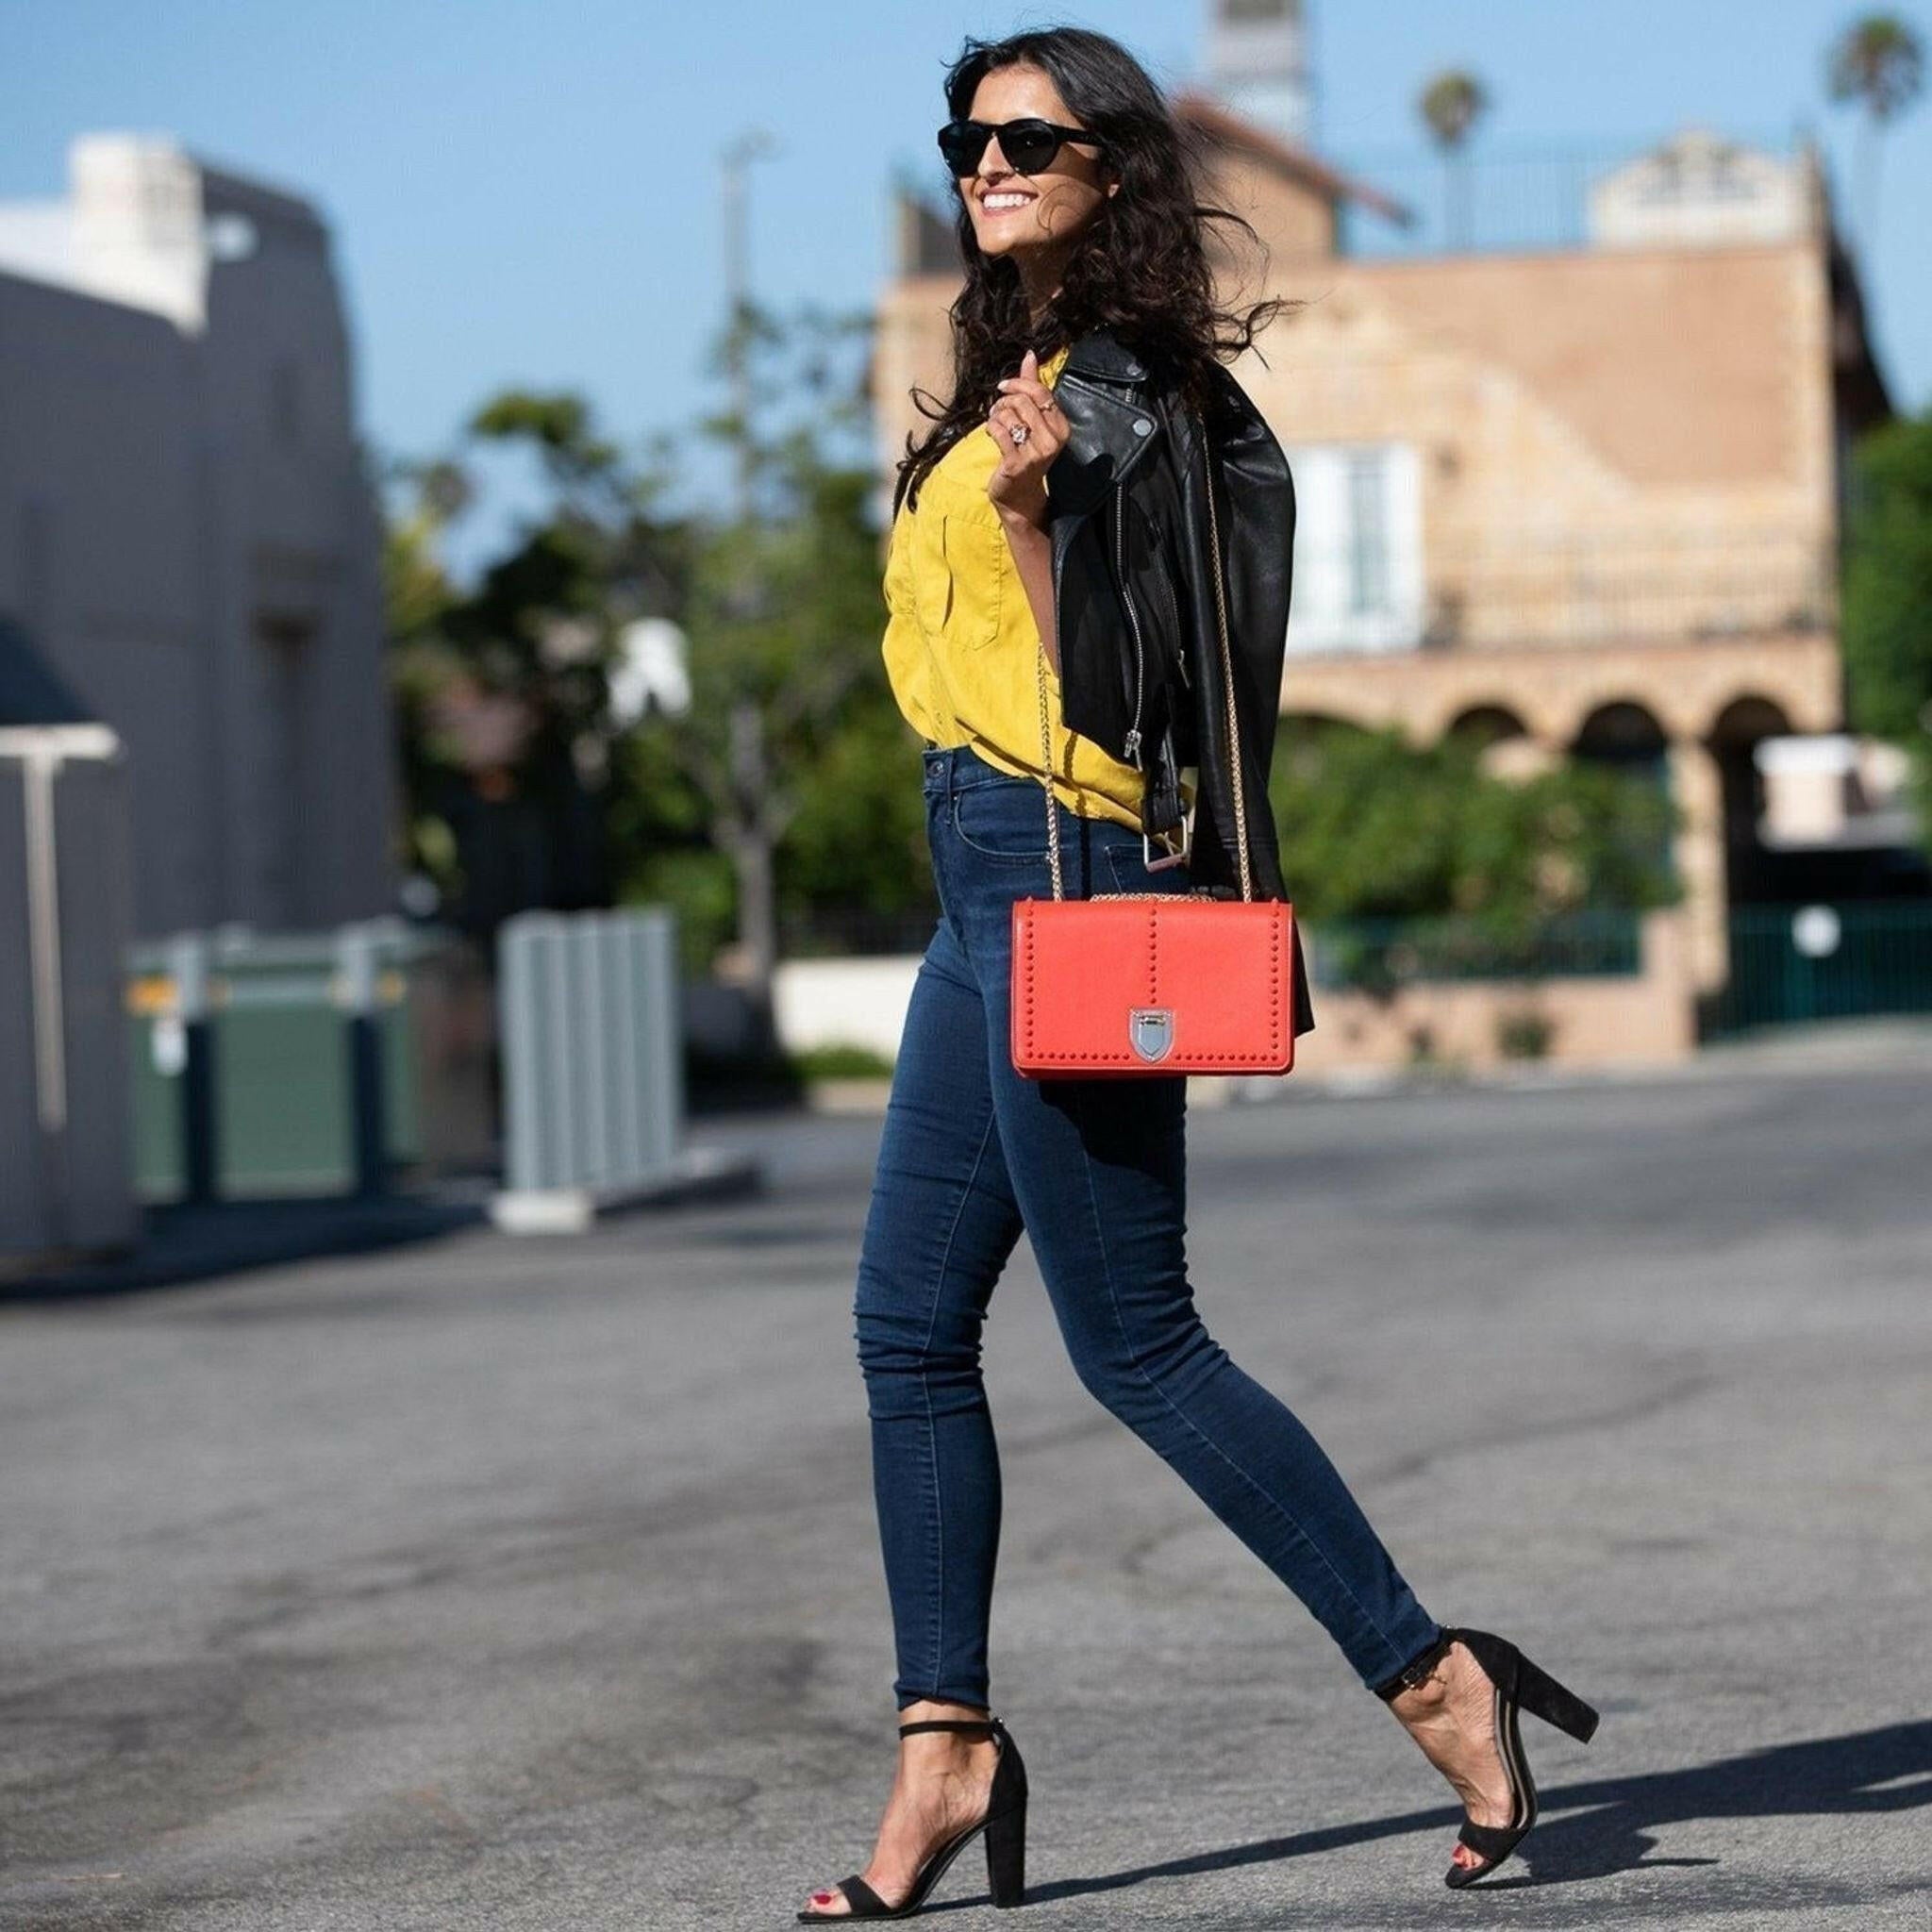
x: 1241, y: 809
x: 1053, y: 818
x: 1234, y: 737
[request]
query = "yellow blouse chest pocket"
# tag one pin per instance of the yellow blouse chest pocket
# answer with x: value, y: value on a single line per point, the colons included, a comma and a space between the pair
x: 959, y: 565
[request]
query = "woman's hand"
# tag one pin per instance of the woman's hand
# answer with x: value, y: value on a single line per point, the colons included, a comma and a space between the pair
x: 1018, y: 487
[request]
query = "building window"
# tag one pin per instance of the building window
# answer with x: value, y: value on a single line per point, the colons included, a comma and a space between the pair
x: 1368, y: 532
x: 1358, y: 548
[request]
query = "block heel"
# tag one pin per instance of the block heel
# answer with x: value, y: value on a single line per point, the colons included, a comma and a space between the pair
x: 1005, y: 1857
x: 1004, y: 1825
x: 1541, y: 1694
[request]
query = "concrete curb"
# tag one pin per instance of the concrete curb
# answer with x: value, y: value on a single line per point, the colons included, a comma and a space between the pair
x: 694, y: 1174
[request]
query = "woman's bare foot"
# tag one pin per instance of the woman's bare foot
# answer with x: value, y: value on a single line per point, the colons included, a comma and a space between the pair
x: 1451, y: 1714
x: 943, y: 1784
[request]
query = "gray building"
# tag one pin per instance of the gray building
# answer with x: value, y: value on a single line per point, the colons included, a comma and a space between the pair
x: 187, y: 532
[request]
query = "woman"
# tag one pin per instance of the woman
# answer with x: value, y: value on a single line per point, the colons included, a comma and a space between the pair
x: 1078, y: 215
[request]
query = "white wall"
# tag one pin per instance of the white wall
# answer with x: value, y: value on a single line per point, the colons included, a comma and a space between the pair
x: 844, y: 1002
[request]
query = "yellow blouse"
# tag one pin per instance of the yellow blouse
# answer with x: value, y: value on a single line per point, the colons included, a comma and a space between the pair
x: 960, y: 643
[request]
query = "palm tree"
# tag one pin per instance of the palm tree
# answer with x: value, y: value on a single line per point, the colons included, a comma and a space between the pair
x: 1450, y: 107
x: 1877, y: 59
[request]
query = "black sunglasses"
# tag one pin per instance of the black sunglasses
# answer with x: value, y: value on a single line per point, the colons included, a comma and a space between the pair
x: 1028, y: 144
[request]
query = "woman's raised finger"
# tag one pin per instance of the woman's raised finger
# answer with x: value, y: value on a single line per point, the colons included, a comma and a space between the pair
x: 1028, y: 385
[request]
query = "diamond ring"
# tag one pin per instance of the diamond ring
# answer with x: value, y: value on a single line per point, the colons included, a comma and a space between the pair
x: 1018, y: 432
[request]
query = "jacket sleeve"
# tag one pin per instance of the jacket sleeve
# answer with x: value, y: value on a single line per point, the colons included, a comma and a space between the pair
x: 1253, y: 514
x: 1258, y: 504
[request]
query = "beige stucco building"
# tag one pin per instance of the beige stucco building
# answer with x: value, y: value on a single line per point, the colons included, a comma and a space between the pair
x: 1582, y: 497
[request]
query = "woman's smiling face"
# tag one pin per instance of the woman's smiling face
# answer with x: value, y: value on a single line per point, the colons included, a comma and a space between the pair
x: 1013, y: 212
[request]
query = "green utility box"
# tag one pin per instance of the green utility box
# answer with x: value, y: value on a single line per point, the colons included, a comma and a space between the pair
x: 280, y: 1033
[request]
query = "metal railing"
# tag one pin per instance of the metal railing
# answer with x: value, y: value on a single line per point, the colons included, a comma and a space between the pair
x: 1376, y: 954
x: 592, y: 1056
x: 1495, y: 199
x: 845, y: 932
x: 1380, y: 955
x: 1791, y: 964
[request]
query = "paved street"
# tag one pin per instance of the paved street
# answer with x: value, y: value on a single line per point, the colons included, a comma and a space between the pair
x: 532, y: 1584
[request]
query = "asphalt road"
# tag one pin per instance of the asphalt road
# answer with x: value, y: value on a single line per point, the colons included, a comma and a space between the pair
x: 532, y: 1584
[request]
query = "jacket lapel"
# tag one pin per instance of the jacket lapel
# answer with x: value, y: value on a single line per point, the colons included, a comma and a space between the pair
x: 1102, y: 391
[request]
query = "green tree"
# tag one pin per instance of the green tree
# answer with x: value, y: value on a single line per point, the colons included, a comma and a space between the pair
x: 1879, y: 62
x: 1450, y: 107
x: 784, y: 616
x: 418, y: 595
x: 790, y: 782
x: 1373, y: 827
x: 1887, y: 604
x: 502, y: 685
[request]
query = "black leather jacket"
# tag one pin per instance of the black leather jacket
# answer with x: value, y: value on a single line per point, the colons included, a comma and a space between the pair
x: 1141, y: 668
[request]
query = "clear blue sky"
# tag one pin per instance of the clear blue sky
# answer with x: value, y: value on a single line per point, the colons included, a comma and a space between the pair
x: 529, y: 192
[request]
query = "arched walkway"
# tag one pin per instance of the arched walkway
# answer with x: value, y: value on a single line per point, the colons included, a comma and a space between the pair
x: 1507, y: 747
x: 1689, y: 714
x: 1626, y: 736
x: 1732, y: 741
x: 1487, y: 724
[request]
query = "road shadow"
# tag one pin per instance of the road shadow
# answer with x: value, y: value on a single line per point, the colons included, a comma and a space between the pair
x: 181, y: 1245
x: 1886, y: 1770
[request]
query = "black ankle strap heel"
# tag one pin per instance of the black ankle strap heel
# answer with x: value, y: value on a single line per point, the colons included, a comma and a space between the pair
x: 1519, y: 1685
x: 1005, y: 1825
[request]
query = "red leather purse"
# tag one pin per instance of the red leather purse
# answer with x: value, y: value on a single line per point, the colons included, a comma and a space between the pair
x: 1122, y: 983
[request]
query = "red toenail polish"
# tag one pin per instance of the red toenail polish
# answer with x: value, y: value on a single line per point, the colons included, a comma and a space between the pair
x: 822, y: 1898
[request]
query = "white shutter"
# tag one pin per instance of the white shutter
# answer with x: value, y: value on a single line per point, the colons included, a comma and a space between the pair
x: 1357, y: 550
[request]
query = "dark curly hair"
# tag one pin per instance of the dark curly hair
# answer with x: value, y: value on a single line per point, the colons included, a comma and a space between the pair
x: 1142, y: 271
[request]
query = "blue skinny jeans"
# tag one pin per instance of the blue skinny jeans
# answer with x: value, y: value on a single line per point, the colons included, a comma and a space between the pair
x: 1094, y: 1170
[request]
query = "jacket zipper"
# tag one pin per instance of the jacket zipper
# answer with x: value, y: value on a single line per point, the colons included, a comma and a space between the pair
x: 1119, y: 564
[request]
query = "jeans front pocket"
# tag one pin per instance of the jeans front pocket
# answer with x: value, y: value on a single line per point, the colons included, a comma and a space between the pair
x: 1006, y: 823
